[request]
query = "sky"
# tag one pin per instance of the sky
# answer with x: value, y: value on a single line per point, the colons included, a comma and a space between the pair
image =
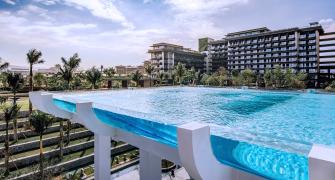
x: 119, y: 32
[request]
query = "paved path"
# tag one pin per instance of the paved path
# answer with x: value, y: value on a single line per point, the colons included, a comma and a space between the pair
x: 180, y: 174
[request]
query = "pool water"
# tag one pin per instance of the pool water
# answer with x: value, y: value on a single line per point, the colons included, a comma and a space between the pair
x: 263, y: 132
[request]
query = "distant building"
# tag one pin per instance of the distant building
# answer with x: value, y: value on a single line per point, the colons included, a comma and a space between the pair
x: 126, y: 70
x: 165, y: 56
x: 25, y: 70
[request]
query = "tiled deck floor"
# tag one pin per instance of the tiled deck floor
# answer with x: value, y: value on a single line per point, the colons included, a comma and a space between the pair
x: 180, y: 174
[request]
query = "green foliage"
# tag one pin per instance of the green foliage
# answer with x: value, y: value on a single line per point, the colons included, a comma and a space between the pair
x: 247, y: 77
x: 55, y: 83
x: 67, y: 69
x: 40, y: 121
x: 180, y: 71
x: 39, y: 79
x: 284, y: 79
x: 34, y: 57
x: 136, y: 76
x: 10, y: 111
x: 3, y: 65
x: 331, y: 87
x: 109, y: 72
x: 93, y: 76
x: 15, y: 81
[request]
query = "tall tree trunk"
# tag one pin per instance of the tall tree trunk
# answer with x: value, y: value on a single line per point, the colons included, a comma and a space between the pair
x: 15, y: 120
x: 150, y: 80
x: 61, y: 139
x: 7, y: 150
x: 68, y: 132
x: 31, y: 87
x: 41, y: 157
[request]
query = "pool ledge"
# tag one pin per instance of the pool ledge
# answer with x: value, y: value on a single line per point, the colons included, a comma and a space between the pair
x: 321, y: 163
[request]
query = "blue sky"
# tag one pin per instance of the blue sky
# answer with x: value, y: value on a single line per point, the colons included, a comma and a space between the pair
x: 113, y: 32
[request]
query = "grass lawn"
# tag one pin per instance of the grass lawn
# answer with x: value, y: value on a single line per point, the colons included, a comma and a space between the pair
x: 22, y: 101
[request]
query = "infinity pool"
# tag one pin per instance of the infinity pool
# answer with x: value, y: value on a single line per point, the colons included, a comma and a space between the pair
x: 267, y: 133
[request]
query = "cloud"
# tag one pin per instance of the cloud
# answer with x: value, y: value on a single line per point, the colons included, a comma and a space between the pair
x: 11, y: 2
x: 328, y: 24
x: 202, y: 6
x: 34, y: 10
x: 47, y: 2
x: 101, y: 8
x: 198, y: 18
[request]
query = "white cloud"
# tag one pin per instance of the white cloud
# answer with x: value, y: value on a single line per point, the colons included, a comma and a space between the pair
x: 328, y: 24
x: 34, y: 10
x: 11, y: 2
x: 197, y: 18
x: 47, y: 2
x: 202, y: 6
x: 103, y: 9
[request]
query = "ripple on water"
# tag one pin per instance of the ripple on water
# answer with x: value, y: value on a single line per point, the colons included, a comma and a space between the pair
x: 272, y: 163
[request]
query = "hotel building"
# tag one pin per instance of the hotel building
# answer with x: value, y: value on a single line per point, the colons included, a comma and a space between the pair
x: 165, y: 56
x: 260, y: 49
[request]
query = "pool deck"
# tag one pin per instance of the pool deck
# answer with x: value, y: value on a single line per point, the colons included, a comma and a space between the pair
x: 180, y: 174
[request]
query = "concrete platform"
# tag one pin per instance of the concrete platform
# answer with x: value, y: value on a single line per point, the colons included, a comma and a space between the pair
x: 180, y: 174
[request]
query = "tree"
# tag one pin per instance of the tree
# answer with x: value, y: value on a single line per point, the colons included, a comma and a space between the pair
x: 149, y: 69
x: 110, y: 72
x: 33, y: 57
x: 136, y: 76
x: 235, y: 76
x: 3, y: 65
x: 9, y: 113
x: 247, y: 76
x: 67, y: 69
x: 204, y: 79
x: 222, y: 76
x: 15, y: 82
x: 40, y: 122
x: 278, y: 77
x: 93, y: 76
x: 180, y: 72
x: 39, y: 79
x: 161, y: 77
x: 331, y: 87
x: 268, y: 78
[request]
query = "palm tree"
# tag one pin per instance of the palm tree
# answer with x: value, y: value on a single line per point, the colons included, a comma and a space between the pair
x: 110, y: 72
x: 66, y: 71
x: 3, y: 65
x: 136, y: 76
x: 40, y: 122
x: 161, y: 78
x: 33, y: 57
x: 9, y: 113
x: 180, y: 72
x: 149, y: 69
x: 15, y: 82
x: 93, y: 76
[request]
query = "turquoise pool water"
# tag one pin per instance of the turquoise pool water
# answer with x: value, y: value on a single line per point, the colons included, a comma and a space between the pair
x: 262, y: 132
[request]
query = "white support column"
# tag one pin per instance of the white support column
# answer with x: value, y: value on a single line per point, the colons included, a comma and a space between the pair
x: 102, y: 157
x: 321, y: 163
x: 150, y: 166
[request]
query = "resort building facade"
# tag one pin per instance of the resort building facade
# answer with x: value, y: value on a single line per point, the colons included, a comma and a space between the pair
x: 126, y: 70
x: 308, y: 49
x: 261, y: 49
x: 165, y: 56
